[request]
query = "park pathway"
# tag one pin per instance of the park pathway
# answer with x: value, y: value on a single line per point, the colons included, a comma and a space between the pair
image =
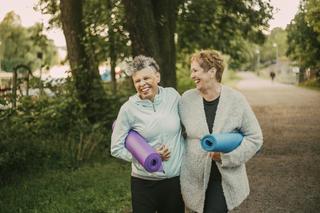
x: 285, y: 175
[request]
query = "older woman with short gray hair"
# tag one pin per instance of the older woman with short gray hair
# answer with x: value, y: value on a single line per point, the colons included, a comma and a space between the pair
x: 152, y: 112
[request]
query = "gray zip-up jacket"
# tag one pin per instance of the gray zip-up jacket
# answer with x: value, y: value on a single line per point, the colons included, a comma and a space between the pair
x: 233, y: 114
x: 159, y: 123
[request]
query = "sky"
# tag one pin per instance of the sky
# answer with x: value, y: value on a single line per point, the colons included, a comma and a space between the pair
x: 286, y: 12
x: 24, y: 8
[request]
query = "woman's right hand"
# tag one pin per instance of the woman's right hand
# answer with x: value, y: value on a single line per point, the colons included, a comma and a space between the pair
x: 163, y: 152
x: 216, y: 156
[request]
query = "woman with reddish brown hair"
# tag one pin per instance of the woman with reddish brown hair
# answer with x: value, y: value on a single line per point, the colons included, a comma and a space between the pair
x: 212, y: 181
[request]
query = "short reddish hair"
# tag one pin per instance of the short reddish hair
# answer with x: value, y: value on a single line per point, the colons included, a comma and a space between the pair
x: 209, y: 59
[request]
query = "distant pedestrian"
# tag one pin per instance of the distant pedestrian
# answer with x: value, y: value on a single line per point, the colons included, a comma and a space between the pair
x: 272, y: 75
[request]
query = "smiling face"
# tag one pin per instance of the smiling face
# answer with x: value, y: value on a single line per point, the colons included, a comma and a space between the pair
x: 203, y: 79
x: 146, y: 83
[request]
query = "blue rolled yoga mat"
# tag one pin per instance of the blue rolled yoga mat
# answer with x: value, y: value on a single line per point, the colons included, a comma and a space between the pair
x: 221, y: 142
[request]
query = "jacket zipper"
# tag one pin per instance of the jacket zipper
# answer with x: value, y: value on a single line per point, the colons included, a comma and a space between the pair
x: 154, y: 109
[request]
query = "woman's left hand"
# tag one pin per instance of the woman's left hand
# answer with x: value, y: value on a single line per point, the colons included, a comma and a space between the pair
x: 164, y: 152
x: 215, y: 156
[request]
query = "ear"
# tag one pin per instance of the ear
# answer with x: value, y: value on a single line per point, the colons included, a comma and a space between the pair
x: 212, y: 72
x: 158, y: 77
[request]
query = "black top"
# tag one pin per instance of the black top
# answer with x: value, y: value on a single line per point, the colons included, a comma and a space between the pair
x: 210, y: 109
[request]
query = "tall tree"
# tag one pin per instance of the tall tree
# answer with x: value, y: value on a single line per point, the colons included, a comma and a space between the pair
x: 303, y: 41
x: 84, y: 70
x: 152, y: 25
x: 225, y: 25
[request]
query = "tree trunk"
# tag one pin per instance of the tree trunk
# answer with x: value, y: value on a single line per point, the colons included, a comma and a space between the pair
x: 112, y: 53
x: 152, y: 25
x: 84, y: 71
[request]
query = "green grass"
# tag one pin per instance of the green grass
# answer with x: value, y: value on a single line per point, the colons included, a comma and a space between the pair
x: 311, y: 84
x: 97, y: 188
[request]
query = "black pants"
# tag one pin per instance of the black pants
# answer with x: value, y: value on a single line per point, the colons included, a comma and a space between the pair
x: 161, y: 196
x: 215, y: 201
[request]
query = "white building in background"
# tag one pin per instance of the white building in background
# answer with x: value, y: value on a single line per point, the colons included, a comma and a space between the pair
x: 55, y: 72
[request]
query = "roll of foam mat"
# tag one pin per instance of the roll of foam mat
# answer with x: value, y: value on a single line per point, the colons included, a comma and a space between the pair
x: 221, y: 142
x: 143, y: 152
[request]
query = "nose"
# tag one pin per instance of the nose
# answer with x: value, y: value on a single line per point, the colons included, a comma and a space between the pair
x: 142, y: 83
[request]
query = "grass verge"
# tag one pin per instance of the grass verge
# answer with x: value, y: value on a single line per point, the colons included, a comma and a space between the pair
x: 311, y: 84
x: 99, y: 188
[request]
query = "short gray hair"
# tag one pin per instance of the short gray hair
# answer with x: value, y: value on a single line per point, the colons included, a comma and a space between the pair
x: 141, y: 62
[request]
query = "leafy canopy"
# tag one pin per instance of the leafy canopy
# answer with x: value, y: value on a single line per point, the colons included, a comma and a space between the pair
x: 21, y: 45
x: 303, y: 36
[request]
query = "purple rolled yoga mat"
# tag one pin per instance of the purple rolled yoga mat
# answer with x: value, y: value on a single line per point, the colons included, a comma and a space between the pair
x: 143, y: 152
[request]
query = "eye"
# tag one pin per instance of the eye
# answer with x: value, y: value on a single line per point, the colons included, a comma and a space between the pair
x: 137, y: 81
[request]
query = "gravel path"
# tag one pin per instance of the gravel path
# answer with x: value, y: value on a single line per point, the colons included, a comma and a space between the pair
x: 285, y: 176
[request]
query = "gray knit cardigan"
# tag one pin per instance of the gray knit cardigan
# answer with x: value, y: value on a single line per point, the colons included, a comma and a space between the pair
x: 233, y: 114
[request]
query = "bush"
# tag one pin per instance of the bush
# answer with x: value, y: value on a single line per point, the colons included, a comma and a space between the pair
x: 311, y: 84
x: 52, y: 132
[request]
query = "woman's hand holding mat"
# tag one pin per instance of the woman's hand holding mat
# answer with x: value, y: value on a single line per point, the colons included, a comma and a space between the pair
x: 164, y: 152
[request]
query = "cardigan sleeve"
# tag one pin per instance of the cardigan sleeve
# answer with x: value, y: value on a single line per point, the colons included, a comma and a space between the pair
x: 119, y: 134
x: 252, y: 140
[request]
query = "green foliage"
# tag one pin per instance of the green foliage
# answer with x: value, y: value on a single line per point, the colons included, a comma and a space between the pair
x: 255, y: 56
x: 50, y: 7
x: 100, y: 21
x: 313, y: 15
x: 184, y: 81
x: 276, y: 41
x: 20, y: 45
x: 43, y: 45
x: 52, y: 132
x: 311, y: 84
x: 303, y: 40
x: 105, y: 24
x: 98, y: 188
x: 223, y: 25
x: 264, y: 54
